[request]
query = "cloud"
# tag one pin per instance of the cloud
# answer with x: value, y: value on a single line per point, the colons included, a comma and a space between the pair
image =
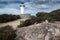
x: 34, y: 1
x: 31, y: 6
x: 9, y: 11
x: 15, y: 6
x: 2, y: 5
x: 49, y: 2
x: 14, y: 1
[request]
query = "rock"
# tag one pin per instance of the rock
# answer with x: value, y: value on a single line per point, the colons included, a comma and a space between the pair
x: 34, y: 32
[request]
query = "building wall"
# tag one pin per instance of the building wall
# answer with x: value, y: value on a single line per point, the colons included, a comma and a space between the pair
x: 24, y: 16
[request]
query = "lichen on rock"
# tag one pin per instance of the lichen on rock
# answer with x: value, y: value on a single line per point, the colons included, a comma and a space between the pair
x: 34, y: 32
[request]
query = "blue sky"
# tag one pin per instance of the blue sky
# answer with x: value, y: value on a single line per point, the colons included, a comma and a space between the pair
x: 31, y: 6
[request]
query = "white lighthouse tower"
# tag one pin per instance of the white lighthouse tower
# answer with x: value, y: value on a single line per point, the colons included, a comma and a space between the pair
x: 22, y: 8
x: 22, y: 14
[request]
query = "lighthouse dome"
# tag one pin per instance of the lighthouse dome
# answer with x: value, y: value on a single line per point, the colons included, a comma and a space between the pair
x: 22, y: 5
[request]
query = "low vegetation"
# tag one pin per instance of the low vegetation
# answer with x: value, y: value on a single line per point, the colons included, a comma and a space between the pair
x: 42, y: 16
x: 7, y: 33
x: 27, y: 23
x: 8, y: 17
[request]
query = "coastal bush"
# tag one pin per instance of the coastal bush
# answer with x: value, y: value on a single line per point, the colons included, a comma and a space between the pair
x: 8, y: 17
x: 27, y: 23
x: 7, y: 33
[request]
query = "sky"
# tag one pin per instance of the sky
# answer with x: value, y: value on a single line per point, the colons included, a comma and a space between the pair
x: 31, y: 6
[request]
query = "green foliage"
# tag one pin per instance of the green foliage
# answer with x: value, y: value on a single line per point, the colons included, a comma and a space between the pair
x: 6, y: 33
x: 6, y: 18
x: 55, y: 14
x: 42, y: 16
x: 27, y: 23
x: 52, y: 16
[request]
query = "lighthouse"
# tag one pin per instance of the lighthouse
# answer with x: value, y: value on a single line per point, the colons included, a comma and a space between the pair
x: 22, y: 8
x: 23, y: 15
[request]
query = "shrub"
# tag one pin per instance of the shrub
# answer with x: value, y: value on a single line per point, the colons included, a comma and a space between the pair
x: 6, y: 33
x: 42, y: 16
x: 27, y: 23
x: 8, y: 17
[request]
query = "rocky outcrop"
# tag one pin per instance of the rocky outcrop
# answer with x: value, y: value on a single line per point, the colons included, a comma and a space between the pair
x: 38, y: 32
